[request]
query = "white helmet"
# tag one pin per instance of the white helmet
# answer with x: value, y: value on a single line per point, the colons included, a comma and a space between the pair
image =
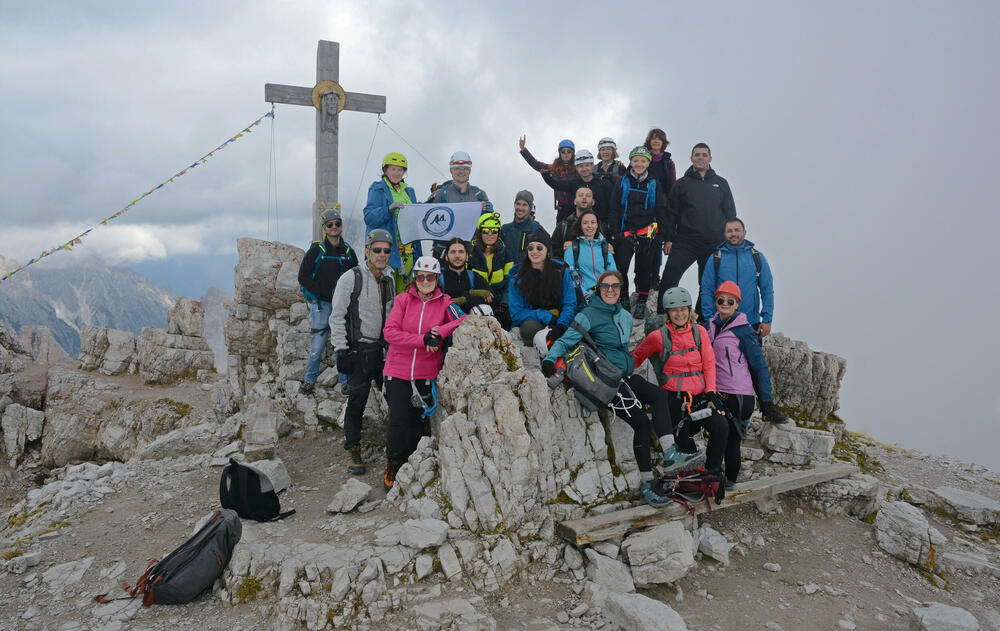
x: 483, y: 310
x: 427, y: 264
x: 607, y: 142
x: 584, y: 157
x: 460, y: 159
x: 541, y: 342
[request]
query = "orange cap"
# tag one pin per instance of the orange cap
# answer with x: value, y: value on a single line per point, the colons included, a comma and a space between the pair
x: 729, y: 287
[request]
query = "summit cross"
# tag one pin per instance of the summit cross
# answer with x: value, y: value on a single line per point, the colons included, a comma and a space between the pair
x: 329, y: 99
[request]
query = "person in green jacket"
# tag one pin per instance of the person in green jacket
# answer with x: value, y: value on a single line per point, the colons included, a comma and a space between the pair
x: 610, y: 326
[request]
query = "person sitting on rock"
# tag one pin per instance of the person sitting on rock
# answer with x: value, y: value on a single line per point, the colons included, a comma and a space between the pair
x: 422, y: 318
x: 688, y: 376
x: 465, y: 288
x: 739, y: 362
x: 589, y: 255
x: 541, y: 293
x: 610, y: 326
x: 489, y: 260
x: 322, y: 266
x: 362, y: 302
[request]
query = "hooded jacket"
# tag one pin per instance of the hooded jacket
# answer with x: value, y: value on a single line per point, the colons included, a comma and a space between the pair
x: 736, y: 264
x: 515, y: 234
x: 634, y: 208
x: 591, y: 263
x: 692, y: 361
x: 411, y: 318
x: 699, y: 207
x: 334, y: 260
x: 458, y: 286
x: 664, y: 171
x: 600, y: 185
x: 609, y: 325
x: 521, y: 311
x: 495, y: 271
x: 377, y: 215
x: 739, y: 357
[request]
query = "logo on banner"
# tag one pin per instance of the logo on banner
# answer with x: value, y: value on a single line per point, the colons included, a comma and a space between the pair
x: 438, y: 221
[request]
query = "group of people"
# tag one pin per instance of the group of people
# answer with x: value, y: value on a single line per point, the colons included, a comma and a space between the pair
x: 388, y: 317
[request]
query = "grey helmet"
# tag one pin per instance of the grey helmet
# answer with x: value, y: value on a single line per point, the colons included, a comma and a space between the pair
x: 376, y: 235
x: 676, y: 297
x: 329, y: 215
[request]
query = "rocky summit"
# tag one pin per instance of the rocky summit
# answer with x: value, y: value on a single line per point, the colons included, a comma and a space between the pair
x: 114, y: 460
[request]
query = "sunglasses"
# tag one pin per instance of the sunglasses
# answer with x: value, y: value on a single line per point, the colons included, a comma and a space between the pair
x: 425, y: 278
x: 335, y: 222
x: 724, y: 301
x: 609, y: 287
x: 535, y: 248
x: 565, y: 150
x: 490, y: 230
x: 380, y: 250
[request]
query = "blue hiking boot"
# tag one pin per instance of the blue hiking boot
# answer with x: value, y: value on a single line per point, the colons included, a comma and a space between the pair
x: 652, y: 493
x: 675, y: 460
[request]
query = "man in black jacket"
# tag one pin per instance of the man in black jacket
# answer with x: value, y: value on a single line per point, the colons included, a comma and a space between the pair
x: 565, y: 230
x: 699, y: 205
x: 601, y: 185
x: 321, y: 268
x: 466, y: 288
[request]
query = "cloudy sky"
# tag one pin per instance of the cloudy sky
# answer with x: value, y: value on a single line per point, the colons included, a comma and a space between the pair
x: 859, y: 140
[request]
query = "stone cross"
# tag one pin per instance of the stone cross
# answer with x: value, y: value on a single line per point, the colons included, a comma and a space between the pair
x: 329, y: 99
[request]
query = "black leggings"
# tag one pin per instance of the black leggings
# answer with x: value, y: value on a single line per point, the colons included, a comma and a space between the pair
x: 682, y: 254
x: 646, y: 261
x: 741, y: 407
x: 716, y: 428
x: 407, y: 424
x: 647, y: 394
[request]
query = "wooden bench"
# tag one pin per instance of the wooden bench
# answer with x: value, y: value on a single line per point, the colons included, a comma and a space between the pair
x: 589, y: 530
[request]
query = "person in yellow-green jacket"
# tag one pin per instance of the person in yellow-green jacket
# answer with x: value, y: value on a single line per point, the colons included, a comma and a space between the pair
x: 385, y: 197
x: 489, y: 259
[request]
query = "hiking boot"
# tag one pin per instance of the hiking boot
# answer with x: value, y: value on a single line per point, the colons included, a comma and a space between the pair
x: 307, y: 388
x: 771, y: 413
x: 639, y: 311
x: 730, y: 485
x: 344, y: 390
x: 675, y: 460
x: 357, y: 466
x: 389, y: 478
x: 652, y: 493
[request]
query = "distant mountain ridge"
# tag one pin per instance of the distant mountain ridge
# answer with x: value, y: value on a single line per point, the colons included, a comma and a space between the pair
x: 65, y: 299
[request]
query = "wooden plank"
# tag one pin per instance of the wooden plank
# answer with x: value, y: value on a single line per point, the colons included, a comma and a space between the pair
x: 589, y: 530
x: 295, y: 95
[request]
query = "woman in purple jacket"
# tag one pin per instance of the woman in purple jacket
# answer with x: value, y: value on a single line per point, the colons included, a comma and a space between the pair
x: 739, y: 364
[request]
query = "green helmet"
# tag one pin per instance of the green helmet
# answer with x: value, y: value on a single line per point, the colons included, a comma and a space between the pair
x: 489, y: 220
x: 394, y: 159
x: 676, y: 297
x: 641, y: 150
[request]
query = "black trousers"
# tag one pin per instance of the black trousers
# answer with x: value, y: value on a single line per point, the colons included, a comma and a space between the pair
x: 716, y: 427
x: 407, y: 424
x: 646, y: 261
x: 368, y: 365
x: 682, y: 254
x: 647, y: 394
x: 741, y: 407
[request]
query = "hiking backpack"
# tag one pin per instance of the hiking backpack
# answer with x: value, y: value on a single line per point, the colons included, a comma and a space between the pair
x: 627, y: 189
x: 308, y: 295
x: 190, y: 569
x: 576, y: 252
x: 689, y: 487
x: 250, y: 493
x: 594, y: 377
x: 659, y: 360
x: 717, y: 261
x: 353, y: 320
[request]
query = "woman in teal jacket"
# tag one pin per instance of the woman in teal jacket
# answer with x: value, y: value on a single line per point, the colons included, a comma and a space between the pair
x: 610, y: 326
x: 590, y: 255
x: 385, y: 196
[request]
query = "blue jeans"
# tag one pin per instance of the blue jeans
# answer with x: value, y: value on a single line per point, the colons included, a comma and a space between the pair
x: 319, y: 314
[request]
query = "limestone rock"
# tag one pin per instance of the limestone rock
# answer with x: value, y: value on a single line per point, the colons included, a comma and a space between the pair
x: 713, y: 544
x: 261, y: 432
x: 968, y: 506
x: 186, y: 317
x: 21, y: 425
x: 424, y: 533
x: 858, y: 495
x: 634, y: 612
x: 14, y: 357
x: 796, y: 445
x: 275, y: 471
x: 267, y: 274
x: 903, y: 531
x: 110, y: 351
x: 941, y: 617
x: 352, y: 493
x: 457, y: 613
x: 44, y: 348
x: 183, y: 441
x: 662, y: 554
x: 166, y: 357
x: 804, y: 380
x: 609, y: 573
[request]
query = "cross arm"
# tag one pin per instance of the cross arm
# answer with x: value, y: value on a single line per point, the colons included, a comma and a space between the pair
x: 295, y: 95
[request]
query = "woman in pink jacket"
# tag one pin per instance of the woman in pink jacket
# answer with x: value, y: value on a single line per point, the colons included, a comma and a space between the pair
x: 421, y: 317
x: 689, y: 379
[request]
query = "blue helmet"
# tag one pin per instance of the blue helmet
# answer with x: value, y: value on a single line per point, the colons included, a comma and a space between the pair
x: 567, y: 143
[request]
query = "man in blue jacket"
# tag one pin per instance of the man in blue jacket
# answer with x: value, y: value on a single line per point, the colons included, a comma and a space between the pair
x: 737, y: 259
x: 515, y: 233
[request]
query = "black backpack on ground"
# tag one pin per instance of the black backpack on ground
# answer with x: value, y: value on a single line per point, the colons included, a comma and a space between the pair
x: 250, y: 493
x: 190, y: 569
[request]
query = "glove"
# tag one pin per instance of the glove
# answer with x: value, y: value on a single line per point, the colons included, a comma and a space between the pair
x: 395, y: 206
x: 771, y: 414
x: 555, y: 332
x: 482, y: 294
x: 345, y: 362
x: 489, y: 208
x: 431, y: 340
x: 716, y: 401
x: 548, y: 368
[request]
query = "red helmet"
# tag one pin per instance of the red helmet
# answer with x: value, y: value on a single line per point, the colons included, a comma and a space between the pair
x: 729, y: 287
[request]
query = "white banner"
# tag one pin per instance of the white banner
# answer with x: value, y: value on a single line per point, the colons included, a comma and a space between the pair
x: 439, y: 222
